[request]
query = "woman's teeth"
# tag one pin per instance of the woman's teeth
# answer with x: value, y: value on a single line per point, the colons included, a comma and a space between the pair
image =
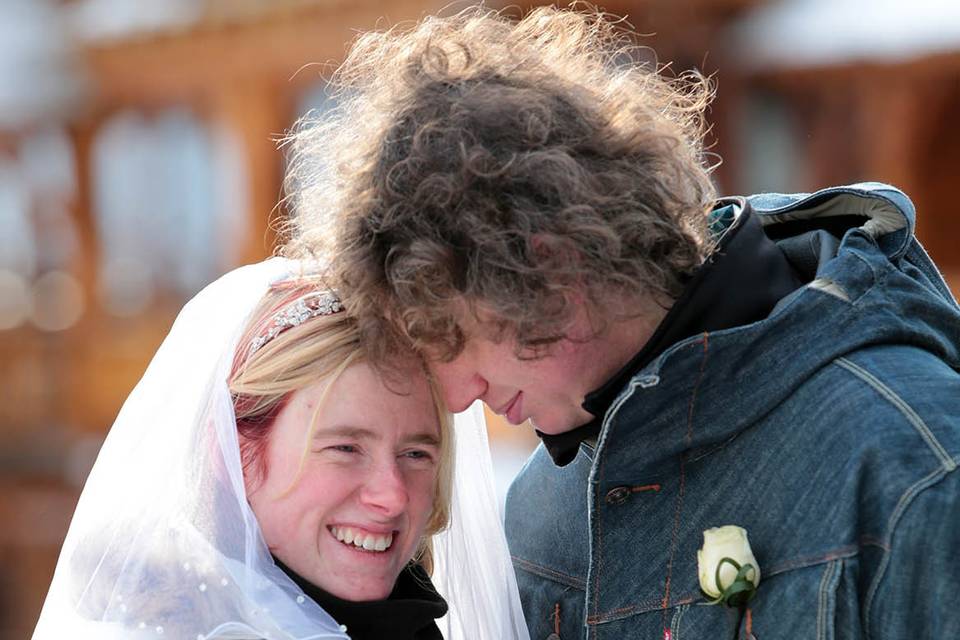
x: 361, y: 540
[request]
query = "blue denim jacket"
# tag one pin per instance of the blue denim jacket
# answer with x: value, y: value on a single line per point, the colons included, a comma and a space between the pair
x: 829, y: 430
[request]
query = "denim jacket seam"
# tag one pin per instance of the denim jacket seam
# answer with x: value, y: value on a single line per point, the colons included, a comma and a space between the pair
x: 675, y: 620
x: 947, y: 463
x: 902, y: 504
x: 594, y: 513
x: 806, y: 562
x: 651, y: 605
x: 548, y: 573
x: 917, y: 256
x: 596, y: 534
x: 877, y: 277
x: 828, y: 586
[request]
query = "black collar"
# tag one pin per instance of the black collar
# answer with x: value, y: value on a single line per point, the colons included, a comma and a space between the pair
x: 739, y: 283
x: 408, y: 613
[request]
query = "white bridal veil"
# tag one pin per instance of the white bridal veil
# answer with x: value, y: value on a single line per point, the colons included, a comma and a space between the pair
x: 164, y: 545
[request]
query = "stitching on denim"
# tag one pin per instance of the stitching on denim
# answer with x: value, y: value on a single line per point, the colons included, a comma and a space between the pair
x: 904, y: 409
x: 640, y: 607
x: 828, y: 583
x: 920, y: 259
x: 703, y: 452
x: 905, y: 500
x: 675, y: 534
x: 696, y: 386
x: 597, y: 537
x: 840, y: 553
x: 598, y: 461
x: 643, y: 606
x: 876, y: 278
x: 613, y: 614
x: 551, y: 574
x: 675, y: 622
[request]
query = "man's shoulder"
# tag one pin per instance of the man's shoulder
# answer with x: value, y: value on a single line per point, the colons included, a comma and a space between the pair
x: 901, y: 393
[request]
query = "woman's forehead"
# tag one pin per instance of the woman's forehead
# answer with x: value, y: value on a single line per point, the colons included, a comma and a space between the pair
x: 359, y: 403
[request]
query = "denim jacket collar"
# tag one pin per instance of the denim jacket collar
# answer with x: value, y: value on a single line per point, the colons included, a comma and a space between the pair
x: 708, y: 369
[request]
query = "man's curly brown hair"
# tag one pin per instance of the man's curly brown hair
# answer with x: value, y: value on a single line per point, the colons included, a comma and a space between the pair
x: 477, y: 164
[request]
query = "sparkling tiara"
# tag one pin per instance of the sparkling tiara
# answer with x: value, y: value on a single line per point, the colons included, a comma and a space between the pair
x: 317, y: 303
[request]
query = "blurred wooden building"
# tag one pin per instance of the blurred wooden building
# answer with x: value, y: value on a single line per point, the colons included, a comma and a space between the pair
x: 168, y: 143
x: 834, y: 92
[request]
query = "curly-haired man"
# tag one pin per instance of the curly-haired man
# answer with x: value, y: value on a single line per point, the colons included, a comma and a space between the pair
x: 531, y: 210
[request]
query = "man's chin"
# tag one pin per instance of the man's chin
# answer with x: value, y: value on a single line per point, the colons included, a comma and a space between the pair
x: 557, y: 427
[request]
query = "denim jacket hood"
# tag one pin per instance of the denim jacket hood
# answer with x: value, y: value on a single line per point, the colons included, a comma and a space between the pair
x: 722, y: 427
x: 917, y: 308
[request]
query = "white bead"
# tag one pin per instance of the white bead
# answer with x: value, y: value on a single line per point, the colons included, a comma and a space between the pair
x: 203, y: 586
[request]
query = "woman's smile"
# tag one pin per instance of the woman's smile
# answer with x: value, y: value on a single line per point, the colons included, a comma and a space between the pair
x: 362, y: 540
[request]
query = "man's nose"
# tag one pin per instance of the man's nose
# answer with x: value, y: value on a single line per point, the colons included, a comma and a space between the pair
x: 385, y: 490
x: 461, y: 385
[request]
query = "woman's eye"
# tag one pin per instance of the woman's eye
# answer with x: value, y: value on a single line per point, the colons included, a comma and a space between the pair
x: 344, y: 448
x: 418, y: 454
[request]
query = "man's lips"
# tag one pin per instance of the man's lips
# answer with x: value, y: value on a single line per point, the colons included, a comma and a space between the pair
x: 512, y: 410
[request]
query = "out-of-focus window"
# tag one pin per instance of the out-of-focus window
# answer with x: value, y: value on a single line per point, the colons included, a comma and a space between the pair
x: 156, y: 207
x: 769, y: 140
x: 39, y: 238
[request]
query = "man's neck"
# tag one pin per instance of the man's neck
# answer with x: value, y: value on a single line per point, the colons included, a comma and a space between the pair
x: 627, y: 333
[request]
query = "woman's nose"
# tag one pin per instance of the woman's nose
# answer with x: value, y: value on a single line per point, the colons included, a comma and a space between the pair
x: 386, y: 491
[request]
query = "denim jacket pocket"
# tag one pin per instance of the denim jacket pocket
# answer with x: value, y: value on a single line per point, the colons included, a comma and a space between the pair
x: 552, y: 602
x: 818, y: 602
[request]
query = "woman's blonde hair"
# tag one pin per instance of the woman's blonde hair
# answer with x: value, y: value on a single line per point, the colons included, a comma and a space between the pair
x: 320, y: 348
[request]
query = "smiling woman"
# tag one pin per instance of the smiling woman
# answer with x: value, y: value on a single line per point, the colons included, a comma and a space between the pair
x: 264, y: 481
x: 348, y: 473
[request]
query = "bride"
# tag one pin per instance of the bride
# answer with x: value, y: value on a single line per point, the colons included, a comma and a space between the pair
x: 263, y: 481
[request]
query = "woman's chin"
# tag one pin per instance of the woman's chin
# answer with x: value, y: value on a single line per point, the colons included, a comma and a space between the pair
x: 365, y: 593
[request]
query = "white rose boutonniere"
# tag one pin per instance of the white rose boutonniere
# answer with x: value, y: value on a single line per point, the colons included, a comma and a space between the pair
x: 728, y: 571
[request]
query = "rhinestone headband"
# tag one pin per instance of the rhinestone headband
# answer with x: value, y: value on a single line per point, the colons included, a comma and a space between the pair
x: 318, y: 303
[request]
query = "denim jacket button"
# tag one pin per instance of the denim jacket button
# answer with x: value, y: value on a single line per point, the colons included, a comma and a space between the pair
x: 618, y: 495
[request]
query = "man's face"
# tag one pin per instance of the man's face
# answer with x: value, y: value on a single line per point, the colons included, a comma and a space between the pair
x: 547, y: 390
x: 348, y: 513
